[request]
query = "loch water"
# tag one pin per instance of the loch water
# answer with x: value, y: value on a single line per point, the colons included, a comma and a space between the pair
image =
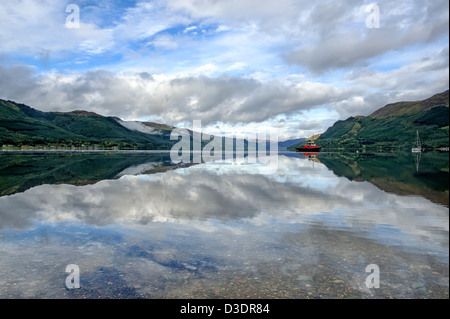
x: 138, y: 225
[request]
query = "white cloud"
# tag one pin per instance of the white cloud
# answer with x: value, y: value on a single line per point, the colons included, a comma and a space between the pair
x: 249, y: 61
x: 31, y: 26
x: 342, y: 40
x: 222, y: 98
x: 191, y: 28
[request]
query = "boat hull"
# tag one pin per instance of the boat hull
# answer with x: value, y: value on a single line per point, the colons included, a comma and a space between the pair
x: 308, y: 149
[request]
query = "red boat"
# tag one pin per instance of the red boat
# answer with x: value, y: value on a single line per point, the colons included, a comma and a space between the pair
x: 309, y: 147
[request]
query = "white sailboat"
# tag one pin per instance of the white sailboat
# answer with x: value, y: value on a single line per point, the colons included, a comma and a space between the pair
x: 418, y: 148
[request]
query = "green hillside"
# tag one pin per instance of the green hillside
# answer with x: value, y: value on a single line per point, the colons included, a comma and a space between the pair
x: 393, y: 126
x: 22, y: 125
x: 410, y: 108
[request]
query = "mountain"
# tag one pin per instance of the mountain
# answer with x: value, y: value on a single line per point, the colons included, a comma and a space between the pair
x: 394, y: 126
x: 23, y: 125
x: 410, y: 108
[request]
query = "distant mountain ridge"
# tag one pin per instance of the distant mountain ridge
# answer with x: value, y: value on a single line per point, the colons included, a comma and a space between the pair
x: 393, y: 126
x: 289, y: 143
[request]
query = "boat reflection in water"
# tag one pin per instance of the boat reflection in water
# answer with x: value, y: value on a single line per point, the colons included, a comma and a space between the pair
x: 311, y: 157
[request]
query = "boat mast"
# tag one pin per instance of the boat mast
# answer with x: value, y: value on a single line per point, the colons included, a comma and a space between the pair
x: 418, y: 140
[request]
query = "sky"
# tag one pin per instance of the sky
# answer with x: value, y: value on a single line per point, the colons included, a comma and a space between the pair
x: 237, y: 65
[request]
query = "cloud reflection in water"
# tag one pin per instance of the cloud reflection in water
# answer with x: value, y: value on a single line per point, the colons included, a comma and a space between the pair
x: 225, y: 228
x: 227, y: 193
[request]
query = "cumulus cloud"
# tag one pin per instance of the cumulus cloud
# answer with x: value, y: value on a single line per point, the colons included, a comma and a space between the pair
x: 175, y: 99
x: 32, y: 27
x: 171, y: 98
x: 231, y: 61
x: 342, y: 40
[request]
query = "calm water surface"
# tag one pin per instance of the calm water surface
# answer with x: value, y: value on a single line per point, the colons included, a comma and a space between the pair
x: 139, y: 226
